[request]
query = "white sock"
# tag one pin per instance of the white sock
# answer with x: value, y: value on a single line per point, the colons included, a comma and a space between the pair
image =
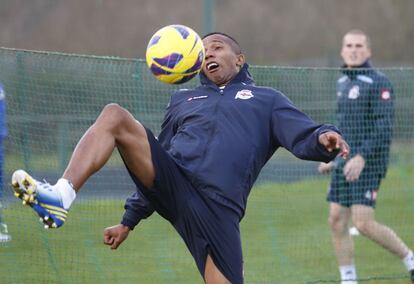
x: 409, y: 261
x: 66, y: 191
x: 348, y: 274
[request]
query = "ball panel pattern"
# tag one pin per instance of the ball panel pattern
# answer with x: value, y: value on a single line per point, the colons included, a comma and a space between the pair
x: 175, y: 54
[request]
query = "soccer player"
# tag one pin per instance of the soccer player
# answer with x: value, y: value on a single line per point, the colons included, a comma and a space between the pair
x: 198, y: 173
x: 4, y: 235
x: 365, y: 114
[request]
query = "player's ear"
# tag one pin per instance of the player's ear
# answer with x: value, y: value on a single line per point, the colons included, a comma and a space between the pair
x: 369, y: 53
x: 240, y: 60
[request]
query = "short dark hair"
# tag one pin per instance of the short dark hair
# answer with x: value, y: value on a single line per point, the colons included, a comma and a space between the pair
x: 233, y: 43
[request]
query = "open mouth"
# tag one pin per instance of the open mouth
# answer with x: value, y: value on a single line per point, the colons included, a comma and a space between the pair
x: 211, y: 66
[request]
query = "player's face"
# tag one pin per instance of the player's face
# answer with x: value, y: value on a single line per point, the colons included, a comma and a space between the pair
x: 222, y: 62
x: 355, y: 50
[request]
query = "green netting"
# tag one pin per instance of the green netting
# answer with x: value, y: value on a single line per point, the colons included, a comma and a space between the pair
x: 53, y: 98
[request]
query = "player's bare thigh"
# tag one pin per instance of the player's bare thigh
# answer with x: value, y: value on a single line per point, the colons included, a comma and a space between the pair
x: 212, y: 274
x: 132, y: 142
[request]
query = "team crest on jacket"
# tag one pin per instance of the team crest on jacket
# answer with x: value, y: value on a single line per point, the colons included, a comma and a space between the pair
x: 353, y: 92
x: 244, y: 95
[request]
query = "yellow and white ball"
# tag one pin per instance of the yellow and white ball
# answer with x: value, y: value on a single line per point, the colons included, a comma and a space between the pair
x: 175, y: 54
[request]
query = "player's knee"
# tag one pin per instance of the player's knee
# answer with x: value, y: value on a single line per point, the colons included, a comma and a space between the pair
x: 363, y: 226
x: 336, y: 223
x: 333, y: 220
x: 121, y: 124
x: 114, y: 115
x: 113, y: 110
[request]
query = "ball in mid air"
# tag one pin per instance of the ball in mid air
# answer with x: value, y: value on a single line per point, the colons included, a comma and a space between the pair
x: 175, y: 54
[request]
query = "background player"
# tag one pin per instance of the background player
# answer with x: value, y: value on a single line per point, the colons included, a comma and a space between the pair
x: 365, y: 114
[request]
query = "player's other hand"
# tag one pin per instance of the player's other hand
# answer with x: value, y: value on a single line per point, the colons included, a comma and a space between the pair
x: 353, y: 168
x: 324, y: 168
x: 333, y: 141
x: 115, y: 235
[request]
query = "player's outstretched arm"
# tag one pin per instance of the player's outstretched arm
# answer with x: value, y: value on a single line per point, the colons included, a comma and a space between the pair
x: 115, y: 235
x: 333, y: 141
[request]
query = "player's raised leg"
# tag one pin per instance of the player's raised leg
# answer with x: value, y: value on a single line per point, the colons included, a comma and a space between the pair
x: 115, y: 127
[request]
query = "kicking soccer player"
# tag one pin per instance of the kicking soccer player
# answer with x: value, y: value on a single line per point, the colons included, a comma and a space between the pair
x: 215, y: 139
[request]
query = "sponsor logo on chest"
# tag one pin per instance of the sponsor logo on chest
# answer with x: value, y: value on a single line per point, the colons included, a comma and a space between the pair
x: 244, y: 95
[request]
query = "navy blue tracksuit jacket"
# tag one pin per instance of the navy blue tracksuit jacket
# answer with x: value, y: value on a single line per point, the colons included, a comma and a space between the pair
x: 365, y: 115
x: 222, y: 138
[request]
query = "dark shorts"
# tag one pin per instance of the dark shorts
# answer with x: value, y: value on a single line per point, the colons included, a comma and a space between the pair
x: 362, y: 191
x: 206, y: 226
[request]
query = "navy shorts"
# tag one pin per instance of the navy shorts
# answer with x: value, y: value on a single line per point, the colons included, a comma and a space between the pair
x: 207, y: 227
x: 362, y: 191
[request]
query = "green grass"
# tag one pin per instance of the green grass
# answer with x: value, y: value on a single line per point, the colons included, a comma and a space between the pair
x: 284, y: 233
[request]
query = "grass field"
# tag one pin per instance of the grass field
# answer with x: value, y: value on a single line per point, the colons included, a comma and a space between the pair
x: 285, y: 239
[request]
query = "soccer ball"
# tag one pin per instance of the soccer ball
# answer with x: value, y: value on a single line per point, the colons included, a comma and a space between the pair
x: 175, y: 54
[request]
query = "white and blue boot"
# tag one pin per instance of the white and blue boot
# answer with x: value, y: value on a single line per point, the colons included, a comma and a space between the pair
x: 44, y: 198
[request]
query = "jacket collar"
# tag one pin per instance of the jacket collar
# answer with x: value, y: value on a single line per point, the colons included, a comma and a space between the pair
x: 364, y: 69
x: 242, y: 77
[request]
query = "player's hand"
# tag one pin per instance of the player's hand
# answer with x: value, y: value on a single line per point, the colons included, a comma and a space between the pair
x: 353, y: 168
x: 324, y: 168
x: 115, y: 235
x: 333, y: 141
